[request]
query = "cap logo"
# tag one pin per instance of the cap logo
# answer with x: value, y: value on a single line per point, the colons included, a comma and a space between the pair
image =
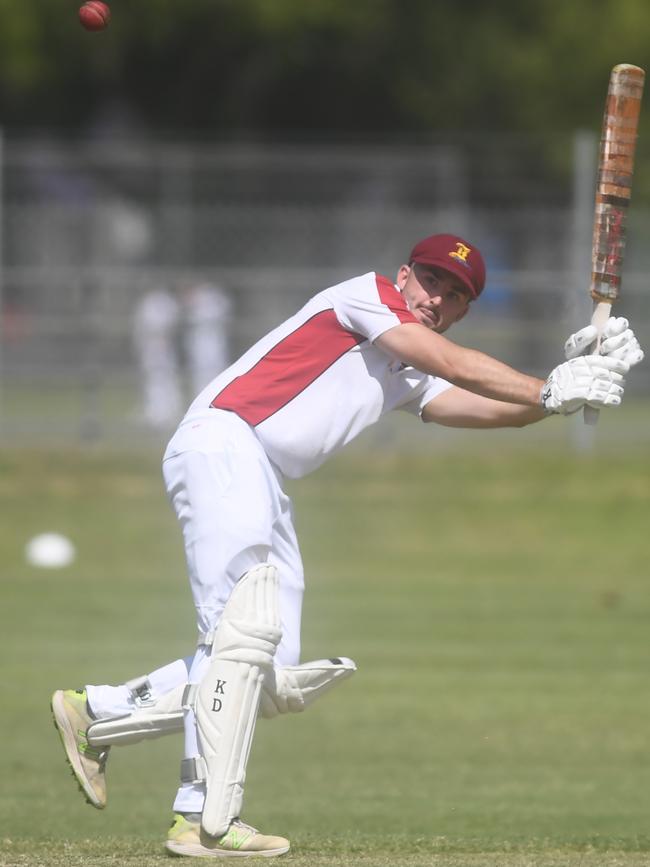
x: 461, y: 253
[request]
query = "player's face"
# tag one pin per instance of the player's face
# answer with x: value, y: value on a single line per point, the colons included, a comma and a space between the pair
x: 435, y: 297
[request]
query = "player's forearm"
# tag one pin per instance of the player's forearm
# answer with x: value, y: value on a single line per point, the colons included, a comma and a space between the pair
x: 484, y: 375
x: 507, y: 415
x: 467, y: 368
x: 457, y: 407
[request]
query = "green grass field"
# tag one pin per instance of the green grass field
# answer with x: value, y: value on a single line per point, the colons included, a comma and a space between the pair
x: 497, y: 605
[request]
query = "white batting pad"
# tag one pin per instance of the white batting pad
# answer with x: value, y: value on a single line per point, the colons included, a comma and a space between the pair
x: 293, y: 688
x: 163, y: 717
x: 290, y: 689
x: 228, y: 696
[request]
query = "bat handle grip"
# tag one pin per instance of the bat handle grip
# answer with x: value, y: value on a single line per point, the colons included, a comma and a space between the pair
x: 602, y: 310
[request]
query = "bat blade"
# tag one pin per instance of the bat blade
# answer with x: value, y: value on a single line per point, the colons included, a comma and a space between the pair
x: 613, y: 192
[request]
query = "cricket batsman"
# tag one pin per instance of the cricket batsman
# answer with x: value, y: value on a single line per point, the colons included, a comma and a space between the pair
x: 353, y: 353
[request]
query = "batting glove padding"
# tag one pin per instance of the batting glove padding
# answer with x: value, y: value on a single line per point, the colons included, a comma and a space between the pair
x: 617, y: 341
x: 594, y: 380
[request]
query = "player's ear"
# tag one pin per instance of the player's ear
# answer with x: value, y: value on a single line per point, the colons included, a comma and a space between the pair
x: 403, y: 275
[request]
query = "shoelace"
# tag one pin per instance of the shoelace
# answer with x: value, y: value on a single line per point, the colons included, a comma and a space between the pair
x: 240, y: 824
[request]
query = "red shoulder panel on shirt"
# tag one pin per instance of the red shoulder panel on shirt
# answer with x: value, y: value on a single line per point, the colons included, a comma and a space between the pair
x: 393, y: 299
x: 287, y: 368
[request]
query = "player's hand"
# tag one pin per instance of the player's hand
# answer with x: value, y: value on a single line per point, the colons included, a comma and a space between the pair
x: 618, y: 341
x: 593, y: 380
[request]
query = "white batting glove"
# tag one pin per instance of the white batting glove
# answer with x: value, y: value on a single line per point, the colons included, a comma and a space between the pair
x: 594, y: 380
x: 617, y: 341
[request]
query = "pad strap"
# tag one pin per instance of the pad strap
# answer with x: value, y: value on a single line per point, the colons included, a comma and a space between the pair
x: 206, y: 638
x: 193, y: 770
x: 141, y: 691
x: 188, y: 701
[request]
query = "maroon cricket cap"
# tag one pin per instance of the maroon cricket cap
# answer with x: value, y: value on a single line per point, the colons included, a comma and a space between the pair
x: 454, y: 255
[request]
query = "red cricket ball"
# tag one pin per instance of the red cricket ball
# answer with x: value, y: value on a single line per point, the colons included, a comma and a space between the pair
x: 94, y: 15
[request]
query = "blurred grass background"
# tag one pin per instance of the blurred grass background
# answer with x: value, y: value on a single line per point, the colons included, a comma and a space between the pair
x: 495, y: 601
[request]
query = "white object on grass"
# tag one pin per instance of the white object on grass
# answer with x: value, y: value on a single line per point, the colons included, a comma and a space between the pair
x: 50, y: 551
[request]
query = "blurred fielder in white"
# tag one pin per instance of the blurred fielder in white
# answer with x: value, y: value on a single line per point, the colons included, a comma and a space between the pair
x: 155, y: 327
x: 354, y: 352
x: 207, y: 315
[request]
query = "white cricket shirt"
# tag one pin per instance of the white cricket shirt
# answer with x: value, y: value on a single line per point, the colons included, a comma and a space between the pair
x: 316, y: 381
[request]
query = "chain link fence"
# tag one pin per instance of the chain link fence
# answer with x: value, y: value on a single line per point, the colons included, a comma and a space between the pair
x: 91, y: 229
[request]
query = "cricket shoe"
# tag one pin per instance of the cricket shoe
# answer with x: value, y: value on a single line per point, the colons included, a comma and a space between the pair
x: 239, y: 841
x: 88, y: 763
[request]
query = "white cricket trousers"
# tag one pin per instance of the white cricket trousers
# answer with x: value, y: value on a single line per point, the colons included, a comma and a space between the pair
x: 234, y: 515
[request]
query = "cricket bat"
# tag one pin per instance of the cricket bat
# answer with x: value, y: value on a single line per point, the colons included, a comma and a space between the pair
x: 613, y: 191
